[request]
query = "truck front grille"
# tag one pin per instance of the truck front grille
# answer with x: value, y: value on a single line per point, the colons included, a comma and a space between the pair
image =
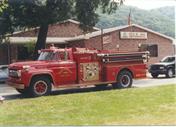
x: 156, y: 67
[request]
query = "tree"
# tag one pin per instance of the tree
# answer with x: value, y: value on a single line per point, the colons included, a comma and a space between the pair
x: 3, y: 6
x: 41, y: 13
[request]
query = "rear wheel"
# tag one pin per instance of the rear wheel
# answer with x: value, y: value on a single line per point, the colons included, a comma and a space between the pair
x: 154, y: 75
x: 170, y: 73
x: 40, y: 86
x: 124, y: 80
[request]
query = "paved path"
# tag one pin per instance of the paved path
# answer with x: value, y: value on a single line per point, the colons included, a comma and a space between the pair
x: 148, y: 82
x: 6, y: 90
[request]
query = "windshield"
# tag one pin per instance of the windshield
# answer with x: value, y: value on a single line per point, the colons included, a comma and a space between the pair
x: 168, y: 59
x: 46, y: 56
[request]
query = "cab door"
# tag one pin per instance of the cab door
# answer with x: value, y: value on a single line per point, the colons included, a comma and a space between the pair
x: 66, y: 73
x: 64, y: 70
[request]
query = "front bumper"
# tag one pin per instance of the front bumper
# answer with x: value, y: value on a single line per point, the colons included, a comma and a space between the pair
x: 3, y: 79
x: 163, y: 71
x: 15, y: 85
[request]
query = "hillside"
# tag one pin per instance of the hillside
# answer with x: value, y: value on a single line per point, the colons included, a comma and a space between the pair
x: 161, y: 19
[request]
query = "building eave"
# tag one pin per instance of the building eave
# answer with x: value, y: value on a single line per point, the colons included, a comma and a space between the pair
x: 49, y: 40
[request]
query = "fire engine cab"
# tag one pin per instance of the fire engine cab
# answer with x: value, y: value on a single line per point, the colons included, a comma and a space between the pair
x: 76, y: 67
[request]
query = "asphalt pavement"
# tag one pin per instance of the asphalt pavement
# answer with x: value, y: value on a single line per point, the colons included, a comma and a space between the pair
x: 5, y: 90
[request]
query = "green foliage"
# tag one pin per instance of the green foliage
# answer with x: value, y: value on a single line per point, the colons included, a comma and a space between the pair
x: 161, y: 20
x: 3, y: 5
x: 135, y: 106
x: 34, y: 13
x: 41, y: 13
x: 86, y: 11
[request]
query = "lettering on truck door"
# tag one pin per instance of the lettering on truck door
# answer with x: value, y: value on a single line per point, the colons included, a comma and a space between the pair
x: 64, y: 70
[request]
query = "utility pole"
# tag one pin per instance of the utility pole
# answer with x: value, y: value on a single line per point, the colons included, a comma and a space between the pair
x: 9, y: 51
x: 129, y: 20
x: 101, y: 39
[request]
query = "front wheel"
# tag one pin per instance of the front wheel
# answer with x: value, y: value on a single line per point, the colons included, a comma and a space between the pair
x: 170, y: 73
x: 40, y: 86
x: 124, y: 80
x: 154, y: 75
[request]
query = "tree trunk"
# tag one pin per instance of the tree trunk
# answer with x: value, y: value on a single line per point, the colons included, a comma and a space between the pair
x: 41, y: 40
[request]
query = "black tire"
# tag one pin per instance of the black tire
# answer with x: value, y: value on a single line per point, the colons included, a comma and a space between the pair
x: 170, y: 73
x: 154, y: 75
x: 124, y: 80
x: 39, y: 86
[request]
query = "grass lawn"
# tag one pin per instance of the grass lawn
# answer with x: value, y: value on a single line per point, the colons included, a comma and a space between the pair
x: 136, y: 106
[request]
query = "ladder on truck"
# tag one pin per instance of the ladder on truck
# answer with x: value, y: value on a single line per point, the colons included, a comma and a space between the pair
x: 124, y: 57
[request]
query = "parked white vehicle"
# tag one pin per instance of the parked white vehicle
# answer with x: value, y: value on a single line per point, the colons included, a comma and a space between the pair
x: 3, y: 73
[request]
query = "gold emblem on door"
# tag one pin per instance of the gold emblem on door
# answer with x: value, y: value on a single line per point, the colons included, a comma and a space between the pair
x: 90, y: 71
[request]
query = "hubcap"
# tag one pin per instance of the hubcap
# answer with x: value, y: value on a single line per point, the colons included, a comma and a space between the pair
x: 40, y: 87
x: 125, y: 81
x: 170, y: 73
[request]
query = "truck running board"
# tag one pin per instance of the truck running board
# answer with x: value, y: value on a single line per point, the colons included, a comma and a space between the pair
x: 83, y: 85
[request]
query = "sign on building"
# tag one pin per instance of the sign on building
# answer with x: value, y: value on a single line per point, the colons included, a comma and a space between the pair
x: 107, y: 39
x: 133, y: 35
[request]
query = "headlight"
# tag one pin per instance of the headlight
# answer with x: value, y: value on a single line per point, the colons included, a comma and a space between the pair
x: 26, y: 67
x: 15, y: 73
x: 19, y: 73
x: 162, y: 67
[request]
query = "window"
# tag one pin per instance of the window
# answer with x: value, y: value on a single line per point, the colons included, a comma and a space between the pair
x: 64, y: 55
x: 168, y: 59
x: 46, y: 56
x: 152, y: 48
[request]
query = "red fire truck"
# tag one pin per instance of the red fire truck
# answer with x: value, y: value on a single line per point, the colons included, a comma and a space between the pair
x: 76, y: 67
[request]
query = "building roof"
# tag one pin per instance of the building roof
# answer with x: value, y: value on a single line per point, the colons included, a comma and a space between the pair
x: 109, y: 30
x: 154, y: 32
x: 76, y: 22
x: 65, y: 21
x: 61, y: 40
x: 97, y: 33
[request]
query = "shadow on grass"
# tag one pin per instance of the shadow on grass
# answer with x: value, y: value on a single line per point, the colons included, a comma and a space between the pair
x: 81, y: 90
x: 62, y: 92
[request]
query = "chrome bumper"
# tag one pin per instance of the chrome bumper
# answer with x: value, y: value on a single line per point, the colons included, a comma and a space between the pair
x: 15, y: 85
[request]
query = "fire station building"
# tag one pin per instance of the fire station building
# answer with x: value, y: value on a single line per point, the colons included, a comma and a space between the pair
x: 68, y: 34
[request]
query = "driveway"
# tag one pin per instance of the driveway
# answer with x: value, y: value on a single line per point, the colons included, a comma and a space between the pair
x: 148, y: 82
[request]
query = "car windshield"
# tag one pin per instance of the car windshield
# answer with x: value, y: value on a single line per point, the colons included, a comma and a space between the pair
x: 168, y: 59
x: 46, y: 56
